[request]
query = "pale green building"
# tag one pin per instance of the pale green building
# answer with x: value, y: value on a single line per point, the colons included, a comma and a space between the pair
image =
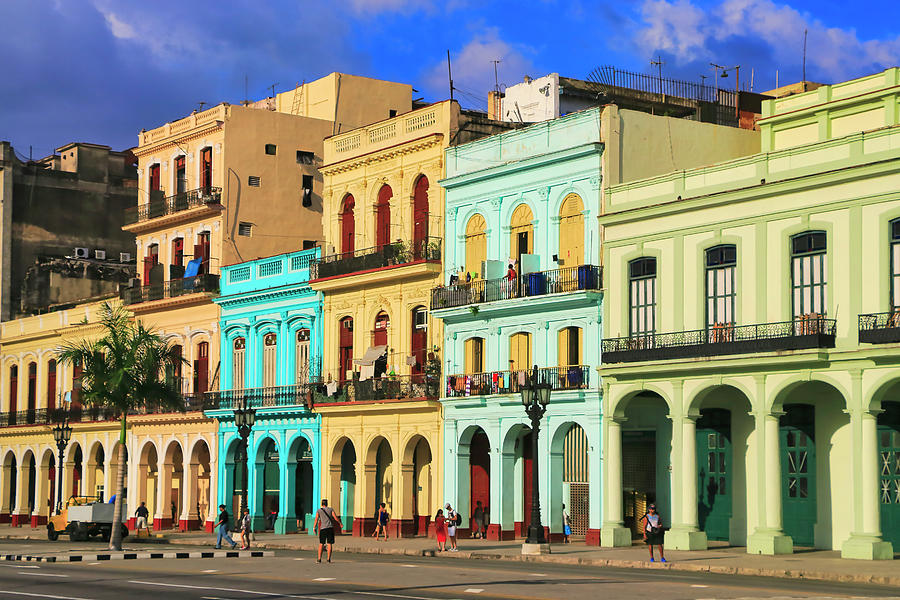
x: 752, y: 336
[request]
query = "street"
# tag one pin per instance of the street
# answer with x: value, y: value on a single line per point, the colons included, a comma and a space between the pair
x: 297, y: 575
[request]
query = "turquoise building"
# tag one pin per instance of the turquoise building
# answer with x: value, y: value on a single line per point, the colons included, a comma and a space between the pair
x: 527, y: 198
x: 271, y: 348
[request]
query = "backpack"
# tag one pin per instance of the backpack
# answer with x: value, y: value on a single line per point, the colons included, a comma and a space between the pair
x: 458, y: 520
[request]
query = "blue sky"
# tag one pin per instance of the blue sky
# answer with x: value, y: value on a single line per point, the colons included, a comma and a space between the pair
x: 100, y: 70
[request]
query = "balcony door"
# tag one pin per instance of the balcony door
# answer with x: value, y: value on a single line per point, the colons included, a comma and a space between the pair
x: 302, y: 356
x: 721, y: 264
x: 51, y: 384
x: 180, y: 176
x: 13, y: 388
x: 642, y: 296
x: 348, y: 225
x: 519, y: 351
x: 206, y: 169
x: 809, y: 275
x: 345, y: 347
x: 571, y: 232
x: 419, y: 339
x: 383, y: 216
x: 476, y: 244
x: 270, y: 360
x: 201, y: 368
x: 380, y: 332
x: 201, y: 251
x: 474, y: 359
x: 521, y: 233
x: 420, y: 216
x: 238, y: 354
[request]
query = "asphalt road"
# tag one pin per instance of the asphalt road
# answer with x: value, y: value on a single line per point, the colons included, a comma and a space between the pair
x: 374, y: 577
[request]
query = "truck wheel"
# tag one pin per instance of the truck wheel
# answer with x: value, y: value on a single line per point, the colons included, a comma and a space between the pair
x: 52, y: 533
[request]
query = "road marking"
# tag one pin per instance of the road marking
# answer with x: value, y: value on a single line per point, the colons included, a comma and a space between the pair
x: 222, y: 589
x: 697, y: 585
x: 299, y: 559
x: 21, y: 566
x: 93, y: 563
x: 42, y: 574
x: 389, y: 595
x: 210, y: 571
x: 42, y: 595
x: 409, y: 566
x: 324, y: 579
x: 538, y: 574
x: 474, y: 590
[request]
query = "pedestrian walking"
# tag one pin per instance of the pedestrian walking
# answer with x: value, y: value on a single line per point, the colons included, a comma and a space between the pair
x: 245, y: 530
x: 222, y: 529
x: 453, y: 521
x: 384, y: 517
x: 141, y: 516
x: 174, y: 515
x: 567, y: 525
x: 653, y: 531
x: 325, y: 523
x: 478, y: 520
x: 440, y: 530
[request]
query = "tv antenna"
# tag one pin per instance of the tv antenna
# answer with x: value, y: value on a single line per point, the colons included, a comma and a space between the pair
x: 272, y: 87
x: 658, y: 63
x: 200, y: 106
x: 496, y: 77
x: 805, y: 32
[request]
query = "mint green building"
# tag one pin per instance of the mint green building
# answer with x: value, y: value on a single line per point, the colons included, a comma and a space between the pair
x: 752, y: 335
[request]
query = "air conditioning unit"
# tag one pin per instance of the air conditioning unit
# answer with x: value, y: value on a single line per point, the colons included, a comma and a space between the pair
x: 81, y: 252
x: 124, y: 257
x: 421, y: 319
x: 100, y: 254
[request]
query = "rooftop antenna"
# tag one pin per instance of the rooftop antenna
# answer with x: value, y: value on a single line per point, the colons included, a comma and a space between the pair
x: 449, y: 74
x: 496, y: 77
x: 246, y: 100
x: 200, y: 106
x: 272, y: 87
x: 716, y: 68
x: 805, y: 31
x: 658, y: 63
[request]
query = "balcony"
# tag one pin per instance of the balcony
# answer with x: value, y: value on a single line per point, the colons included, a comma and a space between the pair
x: 261, y: 397
x: 542, y: 283
x: 388, y: 387
x: 576, y: 377
x: 879, y: 328
x: 379, y: 257
x: 33, y: 416
x: 812, y: 331
x: 206, y: 283
x: 162, y: 207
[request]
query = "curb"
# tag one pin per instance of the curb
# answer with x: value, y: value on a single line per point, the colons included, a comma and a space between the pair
x: 605, y: 562
x: 103, y: 556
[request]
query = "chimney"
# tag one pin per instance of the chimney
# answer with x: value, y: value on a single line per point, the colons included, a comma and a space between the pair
x: 494, y: 98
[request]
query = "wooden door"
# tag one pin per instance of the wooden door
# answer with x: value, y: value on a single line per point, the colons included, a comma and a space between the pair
x: 201, y: 368
x: 798, y: 473
x: 714, y: 473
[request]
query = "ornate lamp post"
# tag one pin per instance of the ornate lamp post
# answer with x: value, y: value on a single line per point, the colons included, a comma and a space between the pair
x: 535, y: 397
x: 244, y: 418
x: 62, y: 433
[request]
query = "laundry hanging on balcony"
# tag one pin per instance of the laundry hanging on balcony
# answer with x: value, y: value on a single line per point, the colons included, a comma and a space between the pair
x: 373, y: 362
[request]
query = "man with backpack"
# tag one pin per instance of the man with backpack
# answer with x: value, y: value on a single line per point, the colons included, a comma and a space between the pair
x: 454, y: 520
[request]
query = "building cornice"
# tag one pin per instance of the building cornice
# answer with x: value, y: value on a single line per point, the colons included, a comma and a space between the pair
x: 383, y: 154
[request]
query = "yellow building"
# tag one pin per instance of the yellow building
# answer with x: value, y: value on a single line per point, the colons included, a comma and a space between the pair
x: 383, y: 217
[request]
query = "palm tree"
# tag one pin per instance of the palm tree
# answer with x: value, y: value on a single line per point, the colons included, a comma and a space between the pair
x: 123, y: 370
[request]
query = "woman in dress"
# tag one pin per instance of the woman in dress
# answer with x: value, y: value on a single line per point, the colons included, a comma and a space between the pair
x: 653, y: 531
x: 440, y: 530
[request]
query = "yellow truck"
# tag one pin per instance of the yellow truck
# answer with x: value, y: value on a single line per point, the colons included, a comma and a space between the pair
x: 82, y: 518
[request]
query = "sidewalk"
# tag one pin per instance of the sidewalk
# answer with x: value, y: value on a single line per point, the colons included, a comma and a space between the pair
x: 823, y: 565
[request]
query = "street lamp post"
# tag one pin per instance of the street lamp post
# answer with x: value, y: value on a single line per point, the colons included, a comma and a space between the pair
x: 244, y: 418
x: 62, y: 433
x: 535, y: 397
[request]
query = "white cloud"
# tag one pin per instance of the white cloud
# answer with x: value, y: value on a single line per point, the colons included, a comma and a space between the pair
x: 473, y: 71
x: 119, y: 28
x: 691, y: 33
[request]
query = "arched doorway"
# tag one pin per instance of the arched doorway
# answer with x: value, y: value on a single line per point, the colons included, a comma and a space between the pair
x: 570, y: 480
x: 148, y: 475
x: 236, y: 483
x: 172, y: 487
x: 30, y: 486
x: 417, y: 486
x: 348, y: 225
x: 77, y: 472
x: 480, y: 478
x: 95, y: 477
x: 197, y: 482
x: 48, y: 469
x: 10, y: 476
x: 268, y: 488
x: 889, y: 450
x: 379, y: 467
x: 343, y: 483
x: 303, y: 484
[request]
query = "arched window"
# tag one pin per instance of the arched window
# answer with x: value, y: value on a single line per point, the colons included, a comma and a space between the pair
x: 642, y: 296
x: 520, y: 351
x: 32, y: 386
x: 238, y: 366
x: 419, y: 338
x: 383, y: 216
x: 345, y: 347
x: 270, y: 359
x: 13, y: 388
x: 51, y: 384
x: 721, y: 263
x: 201, y: 368
x: 809, y: 274
x: 420, y: 214
x: 895, y: 265
x: 571, y: 232
x: 569, y: 343
x: 380, y: 332
x: 348, y: 225
x: 302, y: 356
x: 476, y: 243
x: 521, y: 240
x: 474, y: 359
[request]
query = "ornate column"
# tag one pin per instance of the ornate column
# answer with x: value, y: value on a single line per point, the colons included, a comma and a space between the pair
x: 190, y: 515
x: 768, y: 536
x: 613, y: 532
x: 685, y: 533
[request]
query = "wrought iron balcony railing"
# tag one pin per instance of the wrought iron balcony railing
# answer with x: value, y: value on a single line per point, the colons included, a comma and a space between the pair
x: 367, y: 259
x: 261, y: 397
x: 387, y: 387
x: 33, y: 416
x: 208, y: 283
x: 809, y: 331
x: 557, y: 281
x: 879, y: 328
x: 575, y: 377
x: 161, y: 207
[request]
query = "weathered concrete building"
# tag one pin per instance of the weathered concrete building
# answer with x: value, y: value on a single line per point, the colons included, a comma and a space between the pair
x: 70, y: 203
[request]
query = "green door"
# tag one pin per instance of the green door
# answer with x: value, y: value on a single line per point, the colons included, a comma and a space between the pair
x: 889, y: 451
x: 714, y: 472
x: 798, y: 472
